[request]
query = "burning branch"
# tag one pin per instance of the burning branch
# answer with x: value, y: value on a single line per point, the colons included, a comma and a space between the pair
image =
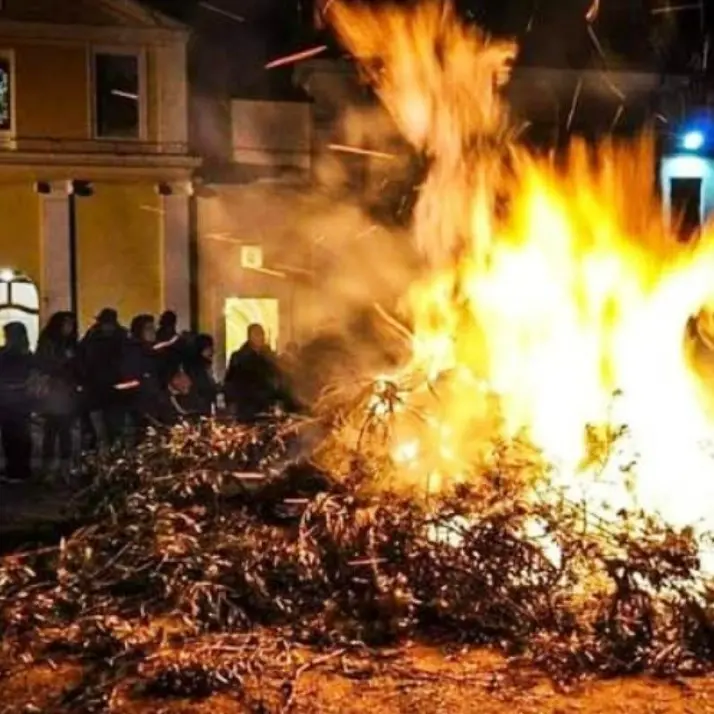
x: 593, y: 11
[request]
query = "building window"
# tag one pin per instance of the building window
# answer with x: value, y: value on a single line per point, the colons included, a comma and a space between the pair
x: 117, y: 95
x: 5, y: 94
x: 686, y: 205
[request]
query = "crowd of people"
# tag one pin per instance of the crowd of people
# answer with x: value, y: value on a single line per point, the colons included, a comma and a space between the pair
x: 111, y: 385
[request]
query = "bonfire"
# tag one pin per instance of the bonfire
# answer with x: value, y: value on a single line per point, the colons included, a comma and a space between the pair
x: 536, y: 477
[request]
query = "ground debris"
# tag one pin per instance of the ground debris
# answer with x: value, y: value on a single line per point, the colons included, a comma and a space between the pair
x: 192, y: 580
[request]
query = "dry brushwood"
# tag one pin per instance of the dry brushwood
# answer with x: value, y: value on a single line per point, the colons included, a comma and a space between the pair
x: 180, y: 532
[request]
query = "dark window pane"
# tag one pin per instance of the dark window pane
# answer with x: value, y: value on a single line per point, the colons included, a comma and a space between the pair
x: 5, y: 95
x: 117, y: 98
x: 686, y: 201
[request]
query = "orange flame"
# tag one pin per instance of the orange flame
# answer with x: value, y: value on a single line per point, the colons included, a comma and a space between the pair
x: 576, y: 291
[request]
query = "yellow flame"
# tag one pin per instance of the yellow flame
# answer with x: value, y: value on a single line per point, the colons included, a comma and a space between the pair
x: 550, y: 284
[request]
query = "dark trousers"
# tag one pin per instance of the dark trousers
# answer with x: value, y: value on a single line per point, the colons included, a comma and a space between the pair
x: 57, y: 432
x: 109, y: 425
x: 88, y: 433
x: 16, y: 437
x: 138, y: 426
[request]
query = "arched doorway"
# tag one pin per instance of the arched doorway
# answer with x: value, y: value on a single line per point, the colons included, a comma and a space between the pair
x: 19, y: 302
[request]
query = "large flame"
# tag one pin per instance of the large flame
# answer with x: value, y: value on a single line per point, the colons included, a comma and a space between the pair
x: 553, y: 286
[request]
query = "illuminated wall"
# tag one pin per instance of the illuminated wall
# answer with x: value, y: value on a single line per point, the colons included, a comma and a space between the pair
x: 119, y: 250
x: 132, y: 244
x: 20, y: 229
x: 57, y: 109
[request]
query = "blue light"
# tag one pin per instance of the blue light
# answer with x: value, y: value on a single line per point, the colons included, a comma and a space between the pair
x: 693, y: 140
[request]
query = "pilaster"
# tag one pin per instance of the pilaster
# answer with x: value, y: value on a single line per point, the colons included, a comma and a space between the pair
x: 56, y: 274
x: 176, y: 256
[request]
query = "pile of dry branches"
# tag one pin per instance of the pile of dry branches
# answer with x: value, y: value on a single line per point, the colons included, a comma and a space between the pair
x: 213, y: 527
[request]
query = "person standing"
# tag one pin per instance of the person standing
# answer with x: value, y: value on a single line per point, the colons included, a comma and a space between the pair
x: 167, y: 330
x: 56, y: 355
x: 17, y: 369
x: 252, y: 381
x: 99, y: 360
x: 169, y: 347
x: 140, y: 383
x: 201, y: 398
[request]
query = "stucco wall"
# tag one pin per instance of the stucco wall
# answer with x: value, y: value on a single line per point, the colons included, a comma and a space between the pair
x: 119, y: 250
x: 20, y: 230
x: 51, y: 91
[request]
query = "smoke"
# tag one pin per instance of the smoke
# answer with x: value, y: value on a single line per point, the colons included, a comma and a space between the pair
x: 335, y: 249
x: 335, y: 244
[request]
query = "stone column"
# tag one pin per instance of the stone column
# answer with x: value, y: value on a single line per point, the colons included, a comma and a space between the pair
x: 176, y: 253
x: 56, y: 277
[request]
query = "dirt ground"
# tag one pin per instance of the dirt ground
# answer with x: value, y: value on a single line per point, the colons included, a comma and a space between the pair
x: 417, y: 680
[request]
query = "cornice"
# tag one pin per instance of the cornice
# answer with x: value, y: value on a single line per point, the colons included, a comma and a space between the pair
x: 42, y: 32
x: 60, y: 167
x: 96, y: 159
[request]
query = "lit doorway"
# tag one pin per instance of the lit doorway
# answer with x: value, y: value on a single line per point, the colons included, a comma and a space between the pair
x: 242, y: 312
x: 19, y: 302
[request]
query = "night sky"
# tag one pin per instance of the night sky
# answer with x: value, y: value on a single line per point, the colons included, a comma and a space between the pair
x: 630, y: 34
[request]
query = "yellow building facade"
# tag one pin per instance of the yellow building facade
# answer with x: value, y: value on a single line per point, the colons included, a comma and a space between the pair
x: 94, y: 163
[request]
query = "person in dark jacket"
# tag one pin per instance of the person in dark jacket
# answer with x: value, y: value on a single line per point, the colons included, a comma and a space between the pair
x: 203, y: 390
x: 56, y: 359
x: 167, y: 329
x: 17, y: 368
x: 252, y: 381
x: 169, y: 347
x: 140, y: 381
x: 99, y: 362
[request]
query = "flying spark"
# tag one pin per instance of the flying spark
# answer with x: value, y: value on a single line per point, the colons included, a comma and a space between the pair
x: 574, y: 104
x: 125, y: 95
x: 618, y: 115
x: 123, y: 386
x: 675, y: 8
x: 362, y: 152
x: 296, y: 57
x: 596, y: 42
x: 266, y: 271
x: 613, y: 87
x: 152, y: 209
x: 293, y: 269
x: 221, y: 11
